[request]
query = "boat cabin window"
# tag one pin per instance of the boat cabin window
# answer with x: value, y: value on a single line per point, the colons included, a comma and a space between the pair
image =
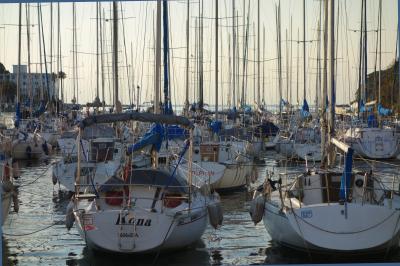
x: 209, y: 152
x: 162, y: 160
x: 101, y: 151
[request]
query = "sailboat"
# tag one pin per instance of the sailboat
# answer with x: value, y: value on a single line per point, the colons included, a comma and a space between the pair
x: 327, y: 211
x: 371, y: 139
x: 141, y: 210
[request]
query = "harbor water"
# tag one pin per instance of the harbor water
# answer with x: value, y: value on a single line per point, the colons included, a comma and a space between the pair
x: 37, y: 235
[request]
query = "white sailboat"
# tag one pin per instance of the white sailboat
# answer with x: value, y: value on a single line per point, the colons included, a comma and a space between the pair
x: 329, y: 211
x: 142, y: 210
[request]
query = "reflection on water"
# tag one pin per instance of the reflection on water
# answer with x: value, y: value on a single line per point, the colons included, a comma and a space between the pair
x: 237, y: 242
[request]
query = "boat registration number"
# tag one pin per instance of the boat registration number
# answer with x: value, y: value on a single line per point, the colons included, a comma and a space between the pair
x: 306, y: 214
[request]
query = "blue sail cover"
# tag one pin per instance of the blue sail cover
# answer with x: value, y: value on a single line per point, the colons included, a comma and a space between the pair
x: 216, y: 126
x: 346, y: 177
x: 153, y: 137
x: 305, y: 110
x: 384, y: 111
x: 17, y: 115
x: 372, y: 121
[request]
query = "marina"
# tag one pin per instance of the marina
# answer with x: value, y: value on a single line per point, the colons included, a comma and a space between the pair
x: 181, y: 133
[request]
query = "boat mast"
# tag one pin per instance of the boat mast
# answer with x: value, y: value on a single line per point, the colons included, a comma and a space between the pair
x: 59, y: 67
x: 115, y: 55
x: 258, y: 52
x: 298, y: 65
x: 28, y: 39
x: 380, y: 51
x: 278, y: 46
x: 304, y: 50
x: 74, y: 100
x: 233, y: 54
x: 101, y: 58
x: 158, y: 59
x: 331, y: 127
x: 19, y: 57
x: 97, y: 51
x: 51, y: 37
x: 263, y: 67
x: 40, y: 54
x: 398, y: 44
x: 200, y: 49
x: 186, y: 108
x: 216, y: 60
x: 325, y: 84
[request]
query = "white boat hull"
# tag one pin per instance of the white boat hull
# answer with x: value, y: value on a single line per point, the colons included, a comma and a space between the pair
x: 325, y: 228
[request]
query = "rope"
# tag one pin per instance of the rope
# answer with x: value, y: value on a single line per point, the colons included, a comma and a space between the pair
x: 36, y: 231
x: 36, y: 179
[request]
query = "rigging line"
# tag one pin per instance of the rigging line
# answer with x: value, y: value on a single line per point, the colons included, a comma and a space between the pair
x: 126, y: 55
x: 144, y: 45
x: 44, y: 54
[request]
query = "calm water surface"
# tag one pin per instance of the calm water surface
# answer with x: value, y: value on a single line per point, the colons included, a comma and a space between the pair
x: 237, y: 242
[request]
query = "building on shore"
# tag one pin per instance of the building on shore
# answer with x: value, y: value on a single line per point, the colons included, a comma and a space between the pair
x: 39, y: 84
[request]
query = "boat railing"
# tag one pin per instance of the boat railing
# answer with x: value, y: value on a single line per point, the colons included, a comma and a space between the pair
x: 119, y: 195
x: 385, y: 189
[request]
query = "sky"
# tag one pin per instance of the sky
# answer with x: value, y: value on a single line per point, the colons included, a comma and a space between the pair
x: 136, y: 57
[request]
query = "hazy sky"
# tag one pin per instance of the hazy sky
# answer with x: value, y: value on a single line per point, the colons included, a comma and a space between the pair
x: 139, y: 38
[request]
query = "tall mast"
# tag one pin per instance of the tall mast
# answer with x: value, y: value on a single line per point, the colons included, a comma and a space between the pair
x: 304, y: 50
x: 332, y: 71
x: 40, y: 53
x: 398, y: 44
x: 254, y: 67
x: 244, y: 51
x: 187, y: 56
x: 115, y: 53
x: 51, y: 38
x: 158, y: 59
x: 19, y: 55
x: 258, y: 52
x: 76, y: 94
x: 201, y: 76
x: 325, y: 82
x: 73, y: 53
x: 263, y: 66
x: 166, y: 57
x: 365, y: 51
x: 126, y: 54
x: 233, y: 54
x: 298, y: 65
x: 380, y: 50
x: 59, y: 54
x: 97, y: 51
x: 101, y: 57
x: 216, y: 59
x: 287, y: 64
x: 278, y: 47
x: 28, y: 40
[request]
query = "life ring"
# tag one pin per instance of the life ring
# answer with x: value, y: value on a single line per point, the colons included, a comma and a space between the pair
x: 28, y: 152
